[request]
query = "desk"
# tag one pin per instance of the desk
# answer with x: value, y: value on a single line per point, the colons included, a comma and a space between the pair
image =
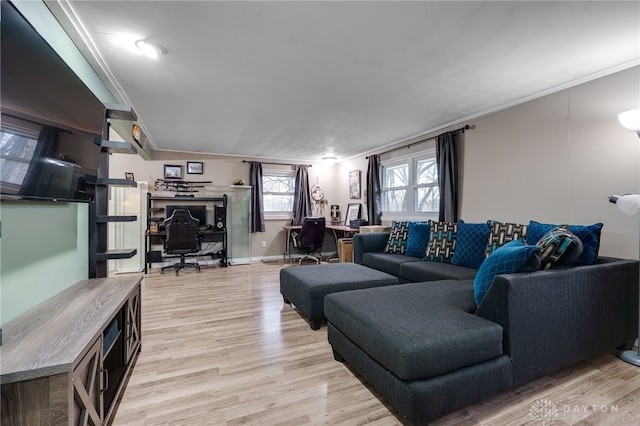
x: 336, y: 229
x: 205, y: 235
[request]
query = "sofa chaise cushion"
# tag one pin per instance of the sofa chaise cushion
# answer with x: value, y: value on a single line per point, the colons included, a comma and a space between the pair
x: 416, y: 330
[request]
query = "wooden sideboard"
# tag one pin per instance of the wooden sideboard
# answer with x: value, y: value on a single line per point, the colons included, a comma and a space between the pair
x: 65, y: 362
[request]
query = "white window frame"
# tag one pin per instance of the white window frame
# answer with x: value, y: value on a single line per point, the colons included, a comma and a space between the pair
x: 411, y: 160
x: 276, y: 214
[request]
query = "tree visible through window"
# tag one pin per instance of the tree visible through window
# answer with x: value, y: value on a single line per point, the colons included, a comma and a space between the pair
x: 15, y: 156
x: 277, y: 191
x: 410, y: 185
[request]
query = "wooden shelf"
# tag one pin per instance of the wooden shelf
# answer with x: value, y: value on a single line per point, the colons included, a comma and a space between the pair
x: 117, y: 182
x: 120, y: 112
x: 117, y: 254
x: 111, y: 218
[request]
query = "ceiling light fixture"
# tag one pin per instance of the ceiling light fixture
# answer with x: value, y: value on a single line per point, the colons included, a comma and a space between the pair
x: 329, y: 158
x: 150, y: 49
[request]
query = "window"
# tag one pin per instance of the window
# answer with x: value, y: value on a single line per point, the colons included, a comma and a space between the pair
x: 278, y: 188
x: 410, y: 184
x: 15, y: 156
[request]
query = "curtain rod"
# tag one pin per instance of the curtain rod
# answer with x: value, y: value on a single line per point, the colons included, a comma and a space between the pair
x: 462, y: 129
x: 278, y: 164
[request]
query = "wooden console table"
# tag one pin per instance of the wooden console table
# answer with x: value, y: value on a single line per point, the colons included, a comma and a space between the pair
x: 65, y: 361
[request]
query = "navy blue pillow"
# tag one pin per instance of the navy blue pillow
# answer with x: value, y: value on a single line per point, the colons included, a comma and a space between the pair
x: 471, y: 244
x: 418, y: 239
x: 506, y: 259
x: 588, y: 234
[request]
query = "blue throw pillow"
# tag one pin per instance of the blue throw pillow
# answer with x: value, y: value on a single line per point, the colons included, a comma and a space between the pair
x: 588, y: 234
x: 418, y: 239
x: 506, y: 259
x: 471, y: 244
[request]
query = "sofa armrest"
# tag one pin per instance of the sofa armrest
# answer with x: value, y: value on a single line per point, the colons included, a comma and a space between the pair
x: 364, y: 243
x: 554, y: 318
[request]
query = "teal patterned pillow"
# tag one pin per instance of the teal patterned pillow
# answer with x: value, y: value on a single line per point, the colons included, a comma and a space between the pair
x: 559, y: 247
x: 442, y: 241
x: 502, y: 233
x: 397, y: 242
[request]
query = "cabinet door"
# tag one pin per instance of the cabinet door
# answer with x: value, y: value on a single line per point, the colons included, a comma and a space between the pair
x: 133, y: 322
x: 86, y: 380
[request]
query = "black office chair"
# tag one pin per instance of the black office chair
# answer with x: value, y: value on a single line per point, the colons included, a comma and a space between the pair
x: 310, y: 238
x: 182, y: 238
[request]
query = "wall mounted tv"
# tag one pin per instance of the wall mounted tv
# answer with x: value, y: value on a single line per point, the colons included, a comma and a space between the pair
x: 50, y: 120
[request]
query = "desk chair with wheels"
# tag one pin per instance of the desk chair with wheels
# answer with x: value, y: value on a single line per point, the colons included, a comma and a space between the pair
x: 310, y: 238
x: 182, y: 238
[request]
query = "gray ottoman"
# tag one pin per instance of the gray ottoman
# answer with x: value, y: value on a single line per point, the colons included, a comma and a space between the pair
x: 306, y: 286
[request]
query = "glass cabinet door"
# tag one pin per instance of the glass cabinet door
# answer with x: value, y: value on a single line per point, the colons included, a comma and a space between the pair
x: 239, y: 215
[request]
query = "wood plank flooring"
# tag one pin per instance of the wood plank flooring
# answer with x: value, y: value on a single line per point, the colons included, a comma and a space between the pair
x: 220, y: 348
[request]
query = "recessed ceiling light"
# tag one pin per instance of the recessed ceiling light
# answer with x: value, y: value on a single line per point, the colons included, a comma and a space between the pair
x: 150, y: 49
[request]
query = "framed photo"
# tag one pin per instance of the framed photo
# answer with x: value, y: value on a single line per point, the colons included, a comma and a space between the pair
x: 129, y: 175
x: 353, y: 213
x: 172, y: 171
x: 354, y: 185
x: 195, y: 167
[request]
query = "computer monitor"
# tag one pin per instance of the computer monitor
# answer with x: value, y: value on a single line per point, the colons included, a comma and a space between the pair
x: 198, y: 212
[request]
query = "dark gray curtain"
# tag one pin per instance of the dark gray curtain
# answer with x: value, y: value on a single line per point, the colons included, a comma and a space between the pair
x: 257, y: 205
x: 302, y: 197
x: 447, y: 158
x: 374, y: 193
x: 47, y: 147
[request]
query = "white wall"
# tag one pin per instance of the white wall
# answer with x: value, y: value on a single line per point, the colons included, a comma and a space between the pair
x: 555, y: 159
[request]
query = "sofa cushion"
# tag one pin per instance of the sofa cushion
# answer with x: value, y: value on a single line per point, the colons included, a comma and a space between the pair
x: 418, y: 239
x: 397, y: 242
x: 502, y: 233
x: 559, y: 247
x: 506, y: 259
x: 471, y: 243
x: 588, y: 234
x: 434, y: 271
x: 442, y: 241
x: 385, y: 262
x: 416, y: 330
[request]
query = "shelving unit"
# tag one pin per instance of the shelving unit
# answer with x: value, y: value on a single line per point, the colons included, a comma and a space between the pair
x: 99, y: 255
x: 156, y: 205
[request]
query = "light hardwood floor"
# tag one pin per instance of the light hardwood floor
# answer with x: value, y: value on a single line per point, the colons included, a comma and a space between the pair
x: 220, y: 348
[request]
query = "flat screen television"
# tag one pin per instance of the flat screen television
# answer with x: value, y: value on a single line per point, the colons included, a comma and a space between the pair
x: 198, y: 212
x: 50, y: 121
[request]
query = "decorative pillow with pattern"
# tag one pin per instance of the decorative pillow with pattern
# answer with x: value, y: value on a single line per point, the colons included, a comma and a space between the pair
x: 589, y: 235
x: 418, y: 239
x: 502, y: 233
x: 442, y: 241
x: 559, y: 247
x: 471, y: 242
x: 397, y: 242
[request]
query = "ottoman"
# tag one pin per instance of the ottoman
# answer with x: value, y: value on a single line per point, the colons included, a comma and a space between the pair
x: 306, y: 286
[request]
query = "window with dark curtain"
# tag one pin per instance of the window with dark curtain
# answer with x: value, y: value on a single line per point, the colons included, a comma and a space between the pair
x: 302, y: 197
x: 257, y: 205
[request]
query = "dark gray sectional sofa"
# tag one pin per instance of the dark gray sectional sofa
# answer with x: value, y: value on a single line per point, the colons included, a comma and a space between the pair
x: 429, y: 350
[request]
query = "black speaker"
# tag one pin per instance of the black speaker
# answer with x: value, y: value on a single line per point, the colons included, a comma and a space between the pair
x: 219, y: 217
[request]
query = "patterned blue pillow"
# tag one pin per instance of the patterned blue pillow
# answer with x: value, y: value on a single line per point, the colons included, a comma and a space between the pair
x: 502, y: 233
x: 442, y: 241
x: 588, y: 234
x: 418, y: 239
x: 506, y: 259
x: 471, y: 243
x: 559, y: 247
x: 397, y: 242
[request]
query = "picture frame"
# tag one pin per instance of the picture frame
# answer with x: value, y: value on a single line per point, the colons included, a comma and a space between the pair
x: 129, y: 176
x: 172, y: 171
x: 195, y: 167
x: 353, y: 213
x: 354, y: 185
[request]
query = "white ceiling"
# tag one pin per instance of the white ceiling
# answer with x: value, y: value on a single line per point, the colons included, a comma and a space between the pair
x: 300, y: 80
